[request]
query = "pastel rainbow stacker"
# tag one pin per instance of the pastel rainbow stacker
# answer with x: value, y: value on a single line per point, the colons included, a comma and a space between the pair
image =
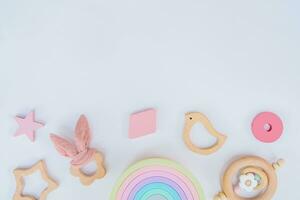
x: 157, y: 177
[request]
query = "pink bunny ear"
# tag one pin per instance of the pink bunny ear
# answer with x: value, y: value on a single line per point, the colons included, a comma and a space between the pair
x: 64, y: 147
x: 82, y: 134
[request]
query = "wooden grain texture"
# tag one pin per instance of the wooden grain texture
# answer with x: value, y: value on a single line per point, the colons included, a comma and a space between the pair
x: 86, y: 179
x: 20, y: 184
x: 250, y: 164
x: 196, y: 117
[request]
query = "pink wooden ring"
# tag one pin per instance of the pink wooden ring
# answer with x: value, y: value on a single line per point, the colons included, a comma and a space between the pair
x: 267, y: 127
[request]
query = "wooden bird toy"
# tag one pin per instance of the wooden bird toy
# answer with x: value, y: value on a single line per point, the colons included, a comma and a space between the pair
x: 254, y: 174
x: 80, y: 152
x: 196, y: 117
x: 21, y: 173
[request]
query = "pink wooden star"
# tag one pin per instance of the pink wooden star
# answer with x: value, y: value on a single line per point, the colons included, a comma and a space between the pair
x: 28, y: 125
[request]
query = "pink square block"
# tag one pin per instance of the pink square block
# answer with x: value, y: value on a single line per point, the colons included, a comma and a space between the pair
x: 142, y: 123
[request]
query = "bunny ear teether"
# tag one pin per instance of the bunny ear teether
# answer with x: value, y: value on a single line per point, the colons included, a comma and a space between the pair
x: 80, y: 153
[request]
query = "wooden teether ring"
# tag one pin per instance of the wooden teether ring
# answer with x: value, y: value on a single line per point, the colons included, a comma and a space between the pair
x: 80, y: 152
x: 86, y: 179
x: 20, y: 183
x: 250, y: 161
x: 196, y: 117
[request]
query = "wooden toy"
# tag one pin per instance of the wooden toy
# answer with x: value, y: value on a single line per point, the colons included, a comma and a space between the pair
x: 80, y: 153
x: 89, y: 179
x: 142, y: 123
x: 254, y: 174
x: 157, y: 177
x: 20, y: 184
x: 28, y: 126
x: 196, y: 117
x: 267, y: 127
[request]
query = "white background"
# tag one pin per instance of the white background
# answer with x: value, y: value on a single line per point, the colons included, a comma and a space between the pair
x: 228, y: 59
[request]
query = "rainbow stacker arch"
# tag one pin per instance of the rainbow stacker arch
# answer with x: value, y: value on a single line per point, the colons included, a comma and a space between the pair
x: 157, y: 177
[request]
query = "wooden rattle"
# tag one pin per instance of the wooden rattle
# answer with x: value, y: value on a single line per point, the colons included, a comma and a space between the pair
x: 20, y: 184
x: 254, y: 173
x: 196, y: 117
x: 80, y: 153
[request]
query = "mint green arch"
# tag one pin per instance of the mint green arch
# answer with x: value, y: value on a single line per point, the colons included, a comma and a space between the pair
x: 157, y: 197
x: 157, y: 192
x: 155, y: 189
